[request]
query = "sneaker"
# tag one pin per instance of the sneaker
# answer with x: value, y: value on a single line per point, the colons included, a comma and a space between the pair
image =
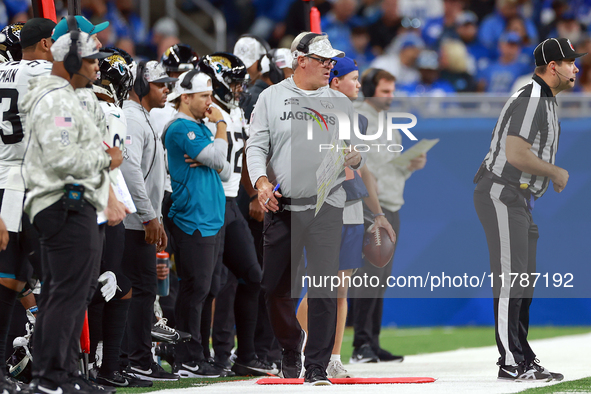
x: 336, y: 369
x: 7, y: 387
x: 117, y: 379
x: 254, y: 367
x: 37, y: 388
x: 363, y: 354
x: 162, y: 333
x: 80, y: 384
x: 386, y: 356
x: 554, y: 375
x: 154, y: 372
x: 316, y: 376
x: 292, y: 360
x: 522, y: 373
x: 166, y: 352
x: 198, y: 369
x: 225, y: 367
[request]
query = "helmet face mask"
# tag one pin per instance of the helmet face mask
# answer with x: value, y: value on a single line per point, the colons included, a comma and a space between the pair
x: 227, y: 72
x: 114, y: 78
x: 10, y: 46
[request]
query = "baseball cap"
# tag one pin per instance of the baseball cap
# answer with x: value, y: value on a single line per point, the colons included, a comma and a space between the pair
x: 467, y: 17
x: 554, y: 49
x: 410, y: 40
x: 249, y: 50
x: 322, y: 47
x: 83, y: 24
x: 282, y: 57
x: 343, y: 67
x: 510, y: 37
x: 87, y: 48
x: 428, y: 60
x: 35, y: 30
x: 154, y: 72
x: 200, y: 82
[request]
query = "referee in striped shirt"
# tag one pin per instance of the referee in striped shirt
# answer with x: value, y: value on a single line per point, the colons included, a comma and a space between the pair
x: 516, y: 171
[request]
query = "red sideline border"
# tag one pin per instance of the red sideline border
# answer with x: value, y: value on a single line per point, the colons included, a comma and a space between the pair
x: 352, y: 380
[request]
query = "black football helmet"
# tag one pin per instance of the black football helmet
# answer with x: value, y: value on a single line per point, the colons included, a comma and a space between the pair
x: 225, y: 69
x: 179, y: 58
x: 10, y: 43
x: 114, y: 78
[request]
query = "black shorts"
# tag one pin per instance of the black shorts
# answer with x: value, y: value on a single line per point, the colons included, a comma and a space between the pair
x: 22, y: 255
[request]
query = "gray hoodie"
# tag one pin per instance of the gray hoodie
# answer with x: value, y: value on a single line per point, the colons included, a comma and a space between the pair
x: 143, y: 166
x: 64, y: 146
x: 278, y: 146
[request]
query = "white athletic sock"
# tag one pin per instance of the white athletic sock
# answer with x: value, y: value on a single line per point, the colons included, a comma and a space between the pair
x: 335, y: 357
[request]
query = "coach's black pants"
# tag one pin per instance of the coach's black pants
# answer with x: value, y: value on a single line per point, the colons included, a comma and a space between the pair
x: 195, y: 261
x: 368, y: 305
x: 512, y: 237
x: 139, y: 265
x: 285, y: 235
x: 237, y: 302
x: 71, y: 251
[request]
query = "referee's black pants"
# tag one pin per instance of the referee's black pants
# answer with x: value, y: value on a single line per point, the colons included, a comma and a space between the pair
x: 368, y: 306
x: 285, y: 236
x: 139, y: 265
x: 71, y: 250
x: 512, y: 238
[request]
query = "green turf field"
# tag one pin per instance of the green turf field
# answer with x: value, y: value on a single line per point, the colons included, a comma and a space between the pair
x: 408, y: 341
x: 576, y: 386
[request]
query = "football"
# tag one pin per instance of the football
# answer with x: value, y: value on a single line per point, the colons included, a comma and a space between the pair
x: 378, y: 248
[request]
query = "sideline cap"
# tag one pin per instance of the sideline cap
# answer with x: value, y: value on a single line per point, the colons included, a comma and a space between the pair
x: 83, y: 24
x: 554, y: 49
x: 343, y: 67
x: 200, y: 82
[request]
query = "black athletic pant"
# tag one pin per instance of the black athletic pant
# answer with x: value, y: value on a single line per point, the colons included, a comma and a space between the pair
x: 107, y: 320
x: 195, y: 261
x: 512, y: 238
x: 139, y: 265
x: 285, y: 236
x: 369, y: 301
x: 71, y: 251
x: 237, y: 302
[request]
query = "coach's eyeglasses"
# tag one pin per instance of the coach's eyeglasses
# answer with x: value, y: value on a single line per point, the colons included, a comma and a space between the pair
x: 325, y: 62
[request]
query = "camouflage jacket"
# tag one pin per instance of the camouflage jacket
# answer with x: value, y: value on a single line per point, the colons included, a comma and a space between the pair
x: 64, y: 146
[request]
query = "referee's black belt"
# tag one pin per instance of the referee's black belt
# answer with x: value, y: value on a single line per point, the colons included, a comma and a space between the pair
x: 497, y: 179
x: 306, y: 200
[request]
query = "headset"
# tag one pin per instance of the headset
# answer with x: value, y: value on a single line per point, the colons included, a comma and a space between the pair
x: 186, y: 83
x: 304, y: 44
x: 276, y: 74
x: 141, y: 86
x: 368, y: 83
x: 72, y: 60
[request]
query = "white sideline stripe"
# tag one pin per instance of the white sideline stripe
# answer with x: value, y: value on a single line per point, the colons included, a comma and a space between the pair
x: 458, y: 372
x: 505, y: 244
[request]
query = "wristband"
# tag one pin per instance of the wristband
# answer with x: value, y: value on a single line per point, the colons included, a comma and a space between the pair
x: 375, y: 215
x: 254, y: 197
x: 221, y: 120
x: 146, y: 223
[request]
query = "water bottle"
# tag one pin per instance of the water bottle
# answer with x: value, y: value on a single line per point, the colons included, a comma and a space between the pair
x: 162, y: 258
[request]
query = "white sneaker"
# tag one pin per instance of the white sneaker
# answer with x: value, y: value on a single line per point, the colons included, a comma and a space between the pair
x: 336, y: 369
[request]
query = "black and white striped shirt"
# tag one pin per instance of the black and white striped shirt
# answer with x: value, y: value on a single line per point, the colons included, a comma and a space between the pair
x: 531, y: 113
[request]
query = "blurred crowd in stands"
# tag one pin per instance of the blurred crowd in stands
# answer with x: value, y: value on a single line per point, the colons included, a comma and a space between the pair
x: 433, y: 47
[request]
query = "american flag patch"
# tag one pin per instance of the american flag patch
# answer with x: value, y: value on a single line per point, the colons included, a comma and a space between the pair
x: 61, y: 121
x: 127, y: 140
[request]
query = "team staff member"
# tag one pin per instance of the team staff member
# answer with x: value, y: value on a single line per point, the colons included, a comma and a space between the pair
x: 517, y: 170
x: 197, y: 212
x: 271, y: 142
x: 65, y: 152
x: 35, y: 40
x: 344, y: 77
x: 144, y: 173
x: 378, y: 88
